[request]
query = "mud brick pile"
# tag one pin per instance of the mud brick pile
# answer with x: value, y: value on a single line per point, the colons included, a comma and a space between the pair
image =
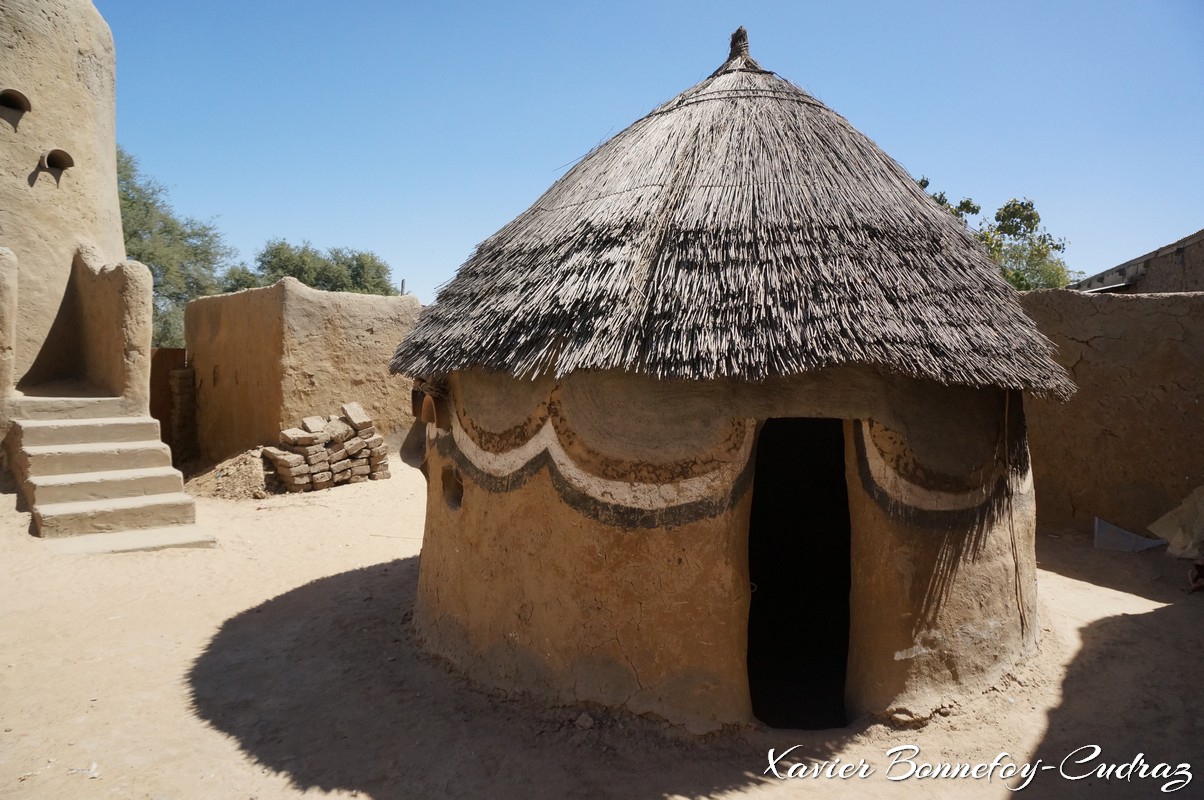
x: 327, y: 451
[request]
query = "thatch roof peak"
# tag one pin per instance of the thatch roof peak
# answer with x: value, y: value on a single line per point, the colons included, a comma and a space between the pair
x: 740, y: 230
x: 739, y: 46
x: 737, y: 56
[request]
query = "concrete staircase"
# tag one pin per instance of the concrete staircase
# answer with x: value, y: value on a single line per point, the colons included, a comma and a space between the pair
x: 105, y: 481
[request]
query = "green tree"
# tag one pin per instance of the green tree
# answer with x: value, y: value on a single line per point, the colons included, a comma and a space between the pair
x: 962, y: 210
x: 339, y: 269
x: 185, y: 255
x: 369, y: 274
x: 240, y: 277
x: 1026, y: 253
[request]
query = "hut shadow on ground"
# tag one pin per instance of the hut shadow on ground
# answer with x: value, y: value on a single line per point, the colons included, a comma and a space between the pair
x: 326, y: 684
x: 1134, y: 687
x: 1129, y: 696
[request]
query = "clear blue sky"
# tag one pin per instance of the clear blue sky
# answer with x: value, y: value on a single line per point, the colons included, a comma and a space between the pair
x: 417, y: 129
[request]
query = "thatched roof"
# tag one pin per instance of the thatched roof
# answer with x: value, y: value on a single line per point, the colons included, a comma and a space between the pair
x: 741, y: 230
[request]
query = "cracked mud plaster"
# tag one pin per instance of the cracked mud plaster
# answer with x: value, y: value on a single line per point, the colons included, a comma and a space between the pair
x: 1125, y: 447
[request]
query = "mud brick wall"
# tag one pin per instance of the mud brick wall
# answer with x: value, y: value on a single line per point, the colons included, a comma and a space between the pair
x: 1127, y: 446
x: 183, y: 415
x: 164, y: 360
x: 328, y: 450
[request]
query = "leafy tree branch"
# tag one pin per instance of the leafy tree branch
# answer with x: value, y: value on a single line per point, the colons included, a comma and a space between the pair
x: 1027, y: 254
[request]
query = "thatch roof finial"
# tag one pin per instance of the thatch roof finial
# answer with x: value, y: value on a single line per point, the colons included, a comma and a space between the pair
x: 739, y: 43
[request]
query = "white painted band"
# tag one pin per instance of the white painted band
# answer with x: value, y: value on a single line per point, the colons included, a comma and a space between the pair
x: 910, y: 494
x: 647, y: 496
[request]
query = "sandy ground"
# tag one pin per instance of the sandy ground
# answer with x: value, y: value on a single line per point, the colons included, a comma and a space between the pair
x: 280, y: 664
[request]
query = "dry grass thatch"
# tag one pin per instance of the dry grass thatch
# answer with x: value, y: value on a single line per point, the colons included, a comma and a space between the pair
x: 740, y: 230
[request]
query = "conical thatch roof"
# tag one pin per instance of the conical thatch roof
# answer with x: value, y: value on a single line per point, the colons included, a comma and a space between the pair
x: 741, y: 230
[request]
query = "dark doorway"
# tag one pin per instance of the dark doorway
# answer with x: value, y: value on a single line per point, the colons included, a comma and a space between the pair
x: 798, y: 562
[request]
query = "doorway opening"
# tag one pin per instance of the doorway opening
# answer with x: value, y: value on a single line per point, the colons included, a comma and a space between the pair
x: 799, y: 564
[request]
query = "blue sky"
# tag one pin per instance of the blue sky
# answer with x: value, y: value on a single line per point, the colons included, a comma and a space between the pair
x: 415, y: 130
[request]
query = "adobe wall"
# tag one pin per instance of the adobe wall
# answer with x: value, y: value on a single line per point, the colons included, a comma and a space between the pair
x: 944, y: 578
x: 115, y: 326
x: 59, y: 55
x: 546, y: 576
x: 8, y: 330
x: 164, y: 361
x: 265, y: 358
x: 235, y: 345
x: 1126, y: 447
x: 584, y: 545
x: 337, y: 348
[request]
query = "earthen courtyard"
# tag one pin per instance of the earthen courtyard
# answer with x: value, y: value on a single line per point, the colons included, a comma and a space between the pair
x: 281, y: 663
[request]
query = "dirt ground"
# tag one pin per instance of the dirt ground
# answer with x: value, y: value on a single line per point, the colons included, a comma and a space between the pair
x: 280, y: 664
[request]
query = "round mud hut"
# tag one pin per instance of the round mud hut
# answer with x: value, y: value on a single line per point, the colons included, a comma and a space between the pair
x: 728, y: 427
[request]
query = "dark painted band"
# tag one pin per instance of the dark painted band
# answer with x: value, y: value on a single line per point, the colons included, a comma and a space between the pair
x: 961, y: 518
x: 619, y: 516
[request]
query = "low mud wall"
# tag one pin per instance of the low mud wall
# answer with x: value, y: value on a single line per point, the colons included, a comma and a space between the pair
x: 265, y: 358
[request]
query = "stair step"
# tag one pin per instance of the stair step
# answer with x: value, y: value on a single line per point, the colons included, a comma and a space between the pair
x: 132, y: 541
x: 116, y: 514
x: 31, y: 407
x: 35, y: 432
x: 88, y: 472
x: 79, y: 486
x: 63, y: 459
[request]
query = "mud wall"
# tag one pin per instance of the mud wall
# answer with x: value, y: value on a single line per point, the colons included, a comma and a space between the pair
x: 8, y: 329
x: 58, y: 55
x: 1126, y: 447
x: 943, y: 591
x: 584, y: 545
x: 115, y: 327
x: 265, y: 358
x: 337, y: 347
x: 567, y: 582
x: 235, y: 345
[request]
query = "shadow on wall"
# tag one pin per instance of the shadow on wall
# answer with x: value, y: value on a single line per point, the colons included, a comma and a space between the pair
x: 59, y: 356
x: 326, y: 684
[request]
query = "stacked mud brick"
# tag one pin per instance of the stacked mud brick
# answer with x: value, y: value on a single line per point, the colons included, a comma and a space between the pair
x: 183, y: 415
x: 326, y: 451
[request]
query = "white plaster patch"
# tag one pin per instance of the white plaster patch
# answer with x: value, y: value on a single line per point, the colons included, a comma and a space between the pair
x: 911, y: 652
